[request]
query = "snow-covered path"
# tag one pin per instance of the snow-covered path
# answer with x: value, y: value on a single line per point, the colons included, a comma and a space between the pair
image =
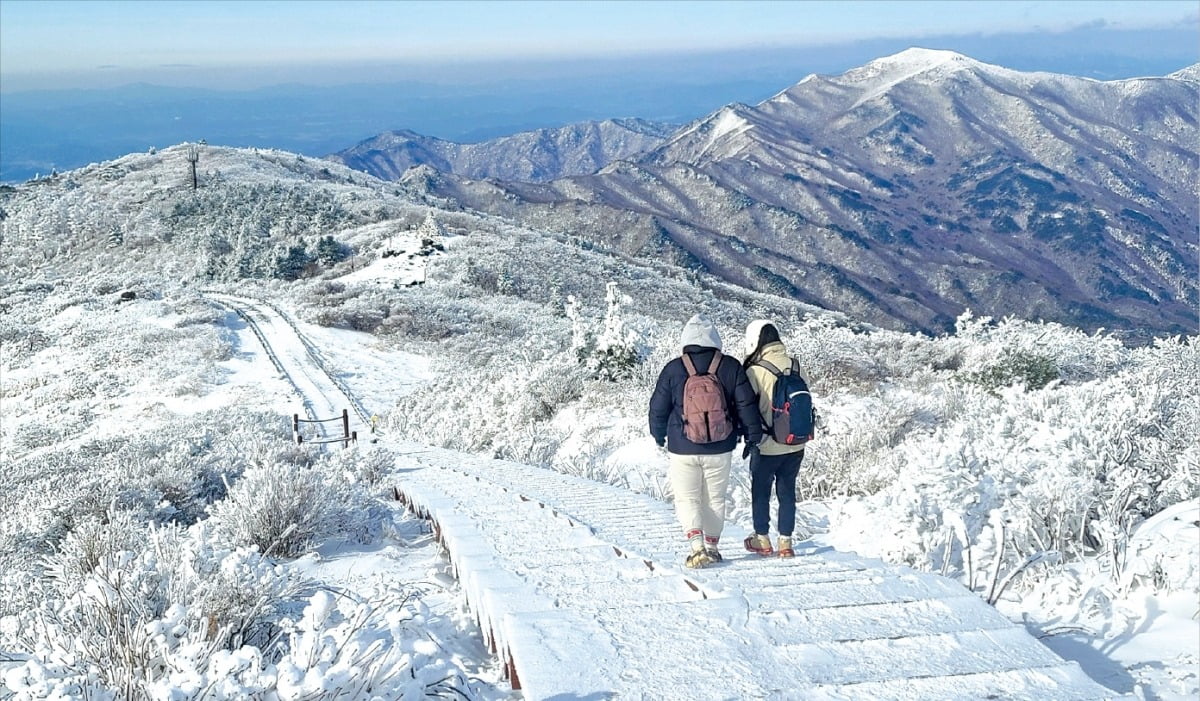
x: 562, y: 569
x: 580, y: 586
x: 294, y: 356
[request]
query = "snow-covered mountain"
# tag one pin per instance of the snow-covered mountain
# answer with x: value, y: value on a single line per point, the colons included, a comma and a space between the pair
x: 1045, y: 469
x: 912, y: 187
x: 537, y: 156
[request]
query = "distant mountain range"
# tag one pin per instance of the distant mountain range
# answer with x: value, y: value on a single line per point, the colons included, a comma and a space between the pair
x: 536, y: 156
x: 901, y: 192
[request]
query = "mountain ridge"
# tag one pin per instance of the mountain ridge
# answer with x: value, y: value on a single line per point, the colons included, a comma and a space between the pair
x: 537, y: 156
x: 910, y: 188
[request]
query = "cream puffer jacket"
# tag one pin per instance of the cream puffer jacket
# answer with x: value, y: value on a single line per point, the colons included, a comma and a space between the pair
x: 763, y: 382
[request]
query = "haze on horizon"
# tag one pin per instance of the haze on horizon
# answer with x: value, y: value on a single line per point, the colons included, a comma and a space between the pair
x: 217, y: 44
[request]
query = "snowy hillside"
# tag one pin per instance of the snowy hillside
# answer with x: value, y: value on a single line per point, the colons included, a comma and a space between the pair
x: 1045, y: 469
x: 912, y: 187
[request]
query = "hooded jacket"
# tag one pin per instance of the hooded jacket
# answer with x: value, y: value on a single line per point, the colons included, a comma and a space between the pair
x: 701, y: 341
x: 763, y: 382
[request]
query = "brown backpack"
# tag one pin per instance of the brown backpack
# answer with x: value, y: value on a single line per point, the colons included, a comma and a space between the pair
x: 705, y: 414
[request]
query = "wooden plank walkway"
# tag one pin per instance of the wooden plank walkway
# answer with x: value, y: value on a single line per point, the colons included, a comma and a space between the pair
x: 579, y: 586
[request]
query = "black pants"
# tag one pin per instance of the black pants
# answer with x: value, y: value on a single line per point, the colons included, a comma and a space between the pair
x: 779, y: 471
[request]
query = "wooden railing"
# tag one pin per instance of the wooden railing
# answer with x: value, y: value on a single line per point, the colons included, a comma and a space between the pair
x: 346, y: 438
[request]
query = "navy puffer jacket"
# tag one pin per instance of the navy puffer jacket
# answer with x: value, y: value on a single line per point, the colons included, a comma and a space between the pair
x: 666, y: 404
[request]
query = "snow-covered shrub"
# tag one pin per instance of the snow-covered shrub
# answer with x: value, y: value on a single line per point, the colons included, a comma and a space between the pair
x: 612, y: 351
x: 289, y: 500
x: 1067, y: 471
x: 339, y: 648
x: 379, y: 647
x: 368, y: 466
x: 124, y: 625
x: 853, y: 453
x: 504, y: 408
x: 1161, y: 551
x: 1028, y: 369
x: 169, y: 475
x: 983, y: 343
x: 92, y: 540
x: 832, y: 355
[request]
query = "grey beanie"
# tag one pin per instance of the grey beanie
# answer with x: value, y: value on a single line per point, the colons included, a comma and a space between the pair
x: 699, y: 331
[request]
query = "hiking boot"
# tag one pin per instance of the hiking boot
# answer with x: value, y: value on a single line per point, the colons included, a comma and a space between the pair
x: 698, y: 559
x: 710, y: 547
x: 785, y: 546
x: 758, y: 544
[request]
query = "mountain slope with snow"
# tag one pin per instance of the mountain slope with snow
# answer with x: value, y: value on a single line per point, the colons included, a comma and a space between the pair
x: 537, y: 156
x: 913, y: 187
x: 1045, y: 469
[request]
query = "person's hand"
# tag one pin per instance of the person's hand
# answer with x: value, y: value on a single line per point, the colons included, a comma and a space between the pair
x: 749, y: 449
x: 661, y: 443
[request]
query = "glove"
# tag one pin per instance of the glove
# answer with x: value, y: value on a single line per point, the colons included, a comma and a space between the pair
x: 750, y: 448
x: 661, y: 443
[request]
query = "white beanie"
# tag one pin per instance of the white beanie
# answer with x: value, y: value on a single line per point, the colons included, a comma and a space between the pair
x: 753, y: 331
x: 699, y: 331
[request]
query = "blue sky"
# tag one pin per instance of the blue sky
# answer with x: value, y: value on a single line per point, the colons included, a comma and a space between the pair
x: 72, y: 44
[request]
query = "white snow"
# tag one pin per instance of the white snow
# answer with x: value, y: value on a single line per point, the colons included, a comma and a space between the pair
x: 509, y: 561
x: 82, y: 370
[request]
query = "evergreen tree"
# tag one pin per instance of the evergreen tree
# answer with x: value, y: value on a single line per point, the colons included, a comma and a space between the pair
x: 291, y: 265
x: 329, y: 251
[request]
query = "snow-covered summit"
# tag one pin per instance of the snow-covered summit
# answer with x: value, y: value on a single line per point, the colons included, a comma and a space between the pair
x: 1191, y: 73
x: 912, y: 61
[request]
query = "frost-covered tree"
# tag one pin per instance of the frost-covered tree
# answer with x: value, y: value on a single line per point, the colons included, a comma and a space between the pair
x: 291, y: 265
x: 612, y: 351
x: 330, y: 251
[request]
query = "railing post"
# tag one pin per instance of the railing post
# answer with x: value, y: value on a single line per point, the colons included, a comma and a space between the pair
x: 296, y: 429
x: 346, y: 428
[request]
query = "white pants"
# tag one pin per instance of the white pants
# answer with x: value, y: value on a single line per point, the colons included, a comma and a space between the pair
x: 699, y: 483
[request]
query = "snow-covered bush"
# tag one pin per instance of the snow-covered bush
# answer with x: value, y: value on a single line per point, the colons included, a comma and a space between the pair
x: 612, y: 351
x: 832, y: 355
x: 1031, y: 370
x: 184, y: 619
x: 1068, y: 470
x: 502, y: 409
x: 289, y: 500
x: 122, y: 621
x: 854, y: 452
x: 1032, y: 350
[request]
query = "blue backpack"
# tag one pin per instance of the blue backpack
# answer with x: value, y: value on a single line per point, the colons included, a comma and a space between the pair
x: 792, y: 414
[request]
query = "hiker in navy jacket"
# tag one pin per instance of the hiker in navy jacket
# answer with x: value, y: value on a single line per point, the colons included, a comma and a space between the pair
x: 699, y: 471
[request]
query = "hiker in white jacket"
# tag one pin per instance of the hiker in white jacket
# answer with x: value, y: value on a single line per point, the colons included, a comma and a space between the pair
x: 700, y: 460
x: 771, y: 464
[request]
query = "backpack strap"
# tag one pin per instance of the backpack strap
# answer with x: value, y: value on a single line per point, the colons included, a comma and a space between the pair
x: 691, y: 367
x: 794, y: 369
x: 716, y: 362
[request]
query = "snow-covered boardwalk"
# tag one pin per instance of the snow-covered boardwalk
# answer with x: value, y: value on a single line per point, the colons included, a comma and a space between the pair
x: 579, y: 587
x: 559, y: 569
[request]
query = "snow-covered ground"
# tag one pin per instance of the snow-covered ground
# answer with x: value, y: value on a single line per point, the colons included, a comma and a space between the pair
x: 1153, y: 656
x: 145, y: 439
